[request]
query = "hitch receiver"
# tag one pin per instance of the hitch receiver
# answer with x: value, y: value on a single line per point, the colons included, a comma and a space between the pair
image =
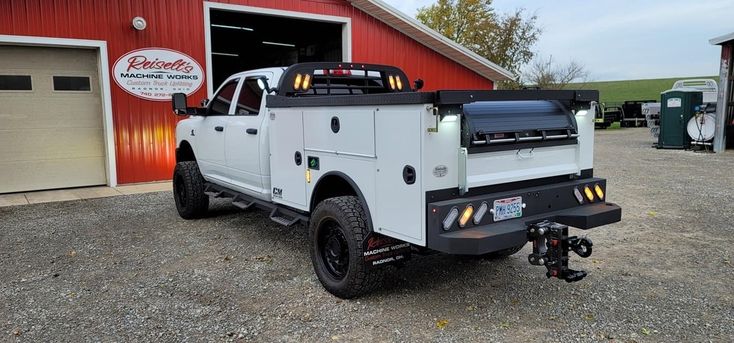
x: 550, y: 249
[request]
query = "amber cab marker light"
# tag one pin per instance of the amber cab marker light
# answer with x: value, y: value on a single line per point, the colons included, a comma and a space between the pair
x: 306, y: 82
x: 391, y: 79
x: 399, y: 83
x: 466, y: 215
x: 599, y: 191
x: 297, y: 83
x: 589, y: 193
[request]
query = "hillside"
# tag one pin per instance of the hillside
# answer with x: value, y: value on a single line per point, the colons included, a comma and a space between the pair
x: 619, y: 91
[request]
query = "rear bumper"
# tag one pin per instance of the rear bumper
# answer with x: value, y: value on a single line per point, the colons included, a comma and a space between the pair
x: 490, y: 236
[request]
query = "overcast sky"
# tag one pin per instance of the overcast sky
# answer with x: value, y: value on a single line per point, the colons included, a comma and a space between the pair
x: 625, y: 39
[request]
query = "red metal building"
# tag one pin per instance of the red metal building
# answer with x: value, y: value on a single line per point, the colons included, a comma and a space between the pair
x: 209, y: 39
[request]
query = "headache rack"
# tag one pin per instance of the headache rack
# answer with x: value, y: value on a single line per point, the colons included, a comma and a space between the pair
x: 338, y: 78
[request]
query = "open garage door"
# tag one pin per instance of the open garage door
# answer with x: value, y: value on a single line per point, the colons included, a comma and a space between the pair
x: 249, y: 40
x: 51, y: 124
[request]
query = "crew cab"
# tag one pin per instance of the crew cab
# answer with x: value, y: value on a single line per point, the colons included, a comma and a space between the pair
x: 378, y: 170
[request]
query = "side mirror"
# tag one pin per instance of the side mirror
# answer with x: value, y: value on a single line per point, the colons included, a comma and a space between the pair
x: 418, y: 84
x: 262, y: 82
x: 179, y: 104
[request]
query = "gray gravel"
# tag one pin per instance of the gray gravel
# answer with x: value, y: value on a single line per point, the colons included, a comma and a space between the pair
x: 129, y: 269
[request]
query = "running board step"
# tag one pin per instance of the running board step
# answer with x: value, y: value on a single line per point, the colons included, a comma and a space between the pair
x: 242, y: 203
x: 214, y: 194
x: 282, y: 218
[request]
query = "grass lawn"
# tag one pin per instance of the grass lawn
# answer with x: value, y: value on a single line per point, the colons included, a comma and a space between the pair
x: 620, y: 91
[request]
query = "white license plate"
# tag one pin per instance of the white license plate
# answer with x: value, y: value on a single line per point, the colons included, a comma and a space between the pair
x: 508, y: 208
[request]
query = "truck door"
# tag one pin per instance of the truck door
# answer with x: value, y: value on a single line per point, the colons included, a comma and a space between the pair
x: 246, y: 138
x: 210, y: 152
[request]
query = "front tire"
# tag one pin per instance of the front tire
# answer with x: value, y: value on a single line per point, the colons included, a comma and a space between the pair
x: 337, y: 231
x: 188, y: 190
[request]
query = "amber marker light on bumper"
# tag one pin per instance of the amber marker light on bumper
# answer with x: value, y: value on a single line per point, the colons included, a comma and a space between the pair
x: 466, y: 215
x: 589, y: 193
x: 599, y: 191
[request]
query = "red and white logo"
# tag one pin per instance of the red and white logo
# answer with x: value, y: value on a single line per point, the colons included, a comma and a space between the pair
x: 156, y: 73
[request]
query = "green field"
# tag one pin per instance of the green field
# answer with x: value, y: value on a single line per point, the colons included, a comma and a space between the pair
x: 620, y: 91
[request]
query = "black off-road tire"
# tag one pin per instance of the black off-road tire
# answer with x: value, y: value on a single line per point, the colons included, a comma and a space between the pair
x: 188, y: 190
x: 341, y: 219
x: 502, y: 253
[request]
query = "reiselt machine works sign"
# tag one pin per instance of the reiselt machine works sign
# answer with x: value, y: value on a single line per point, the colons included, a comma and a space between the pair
x: 156, y: 73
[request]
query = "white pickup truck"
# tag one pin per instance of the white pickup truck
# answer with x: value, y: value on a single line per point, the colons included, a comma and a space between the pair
x: 379, y: 171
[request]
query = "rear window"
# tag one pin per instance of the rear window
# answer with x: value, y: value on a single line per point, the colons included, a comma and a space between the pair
x: 15, y: 83
x: 345, y: 82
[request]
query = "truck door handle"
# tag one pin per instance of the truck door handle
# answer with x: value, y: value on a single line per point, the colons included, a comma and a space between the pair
x: 219, y: 128
x: 251, y: 131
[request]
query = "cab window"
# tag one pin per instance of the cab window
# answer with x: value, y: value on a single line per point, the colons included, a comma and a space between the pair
x: 251, y: 96
x: 222, y: 101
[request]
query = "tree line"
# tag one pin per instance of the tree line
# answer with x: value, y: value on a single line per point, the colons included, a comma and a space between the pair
x: 505, y: 39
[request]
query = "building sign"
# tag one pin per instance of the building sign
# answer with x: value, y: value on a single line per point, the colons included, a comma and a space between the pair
x: 156, y: 73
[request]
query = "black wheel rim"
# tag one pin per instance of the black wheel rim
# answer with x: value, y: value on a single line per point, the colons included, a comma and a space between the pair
x: 333, y: 249
x: 180, y: 190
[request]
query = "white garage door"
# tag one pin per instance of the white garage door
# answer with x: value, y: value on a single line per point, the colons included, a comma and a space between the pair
x: 51, y: 133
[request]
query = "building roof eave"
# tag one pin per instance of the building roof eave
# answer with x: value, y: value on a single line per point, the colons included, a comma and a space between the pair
x: 432, y: 39
x: 722, y: 39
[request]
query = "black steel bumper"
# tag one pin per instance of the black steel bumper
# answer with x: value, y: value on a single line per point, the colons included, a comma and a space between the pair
x: 489, y: 236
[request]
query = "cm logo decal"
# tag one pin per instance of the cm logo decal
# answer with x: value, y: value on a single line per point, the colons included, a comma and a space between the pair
x: 277, y: 193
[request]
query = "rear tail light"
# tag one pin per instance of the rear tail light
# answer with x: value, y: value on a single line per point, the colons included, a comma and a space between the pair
x: 466, y: 215
x: 578, y: 195
x: 450, y: 218
x: 481, y: 211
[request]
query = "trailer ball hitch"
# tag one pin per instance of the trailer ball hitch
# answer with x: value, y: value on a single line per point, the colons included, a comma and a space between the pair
x: 551, y: 245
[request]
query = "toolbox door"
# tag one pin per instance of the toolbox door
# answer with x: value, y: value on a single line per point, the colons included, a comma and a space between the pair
x: 398, y: 176
x: 287, y: 160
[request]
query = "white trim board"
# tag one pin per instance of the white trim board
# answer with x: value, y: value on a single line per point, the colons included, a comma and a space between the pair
x: 208, y: 6
x: 104, y: 77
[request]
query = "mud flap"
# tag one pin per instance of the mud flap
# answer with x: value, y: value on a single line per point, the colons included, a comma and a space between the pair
x: 380, y: 250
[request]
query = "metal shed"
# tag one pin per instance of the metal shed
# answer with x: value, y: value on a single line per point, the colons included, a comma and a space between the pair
x: 725, y: 102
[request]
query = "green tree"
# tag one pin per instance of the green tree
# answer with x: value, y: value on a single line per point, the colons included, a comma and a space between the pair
x: 505, y: 39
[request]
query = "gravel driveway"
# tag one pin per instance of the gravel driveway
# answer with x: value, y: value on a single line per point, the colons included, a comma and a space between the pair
x: 129, y: 269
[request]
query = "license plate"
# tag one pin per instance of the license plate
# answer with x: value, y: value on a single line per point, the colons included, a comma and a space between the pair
x: 508, y: 208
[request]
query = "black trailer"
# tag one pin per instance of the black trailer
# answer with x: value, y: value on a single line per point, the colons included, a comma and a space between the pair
x: 632, y: 115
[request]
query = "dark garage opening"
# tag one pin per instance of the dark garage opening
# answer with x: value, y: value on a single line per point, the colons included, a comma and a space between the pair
x: 245, y: 41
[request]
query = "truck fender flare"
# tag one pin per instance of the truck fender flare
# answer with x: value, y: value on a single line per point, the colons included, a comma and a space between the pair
x: 185, y: 152
x: 355, y: 189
